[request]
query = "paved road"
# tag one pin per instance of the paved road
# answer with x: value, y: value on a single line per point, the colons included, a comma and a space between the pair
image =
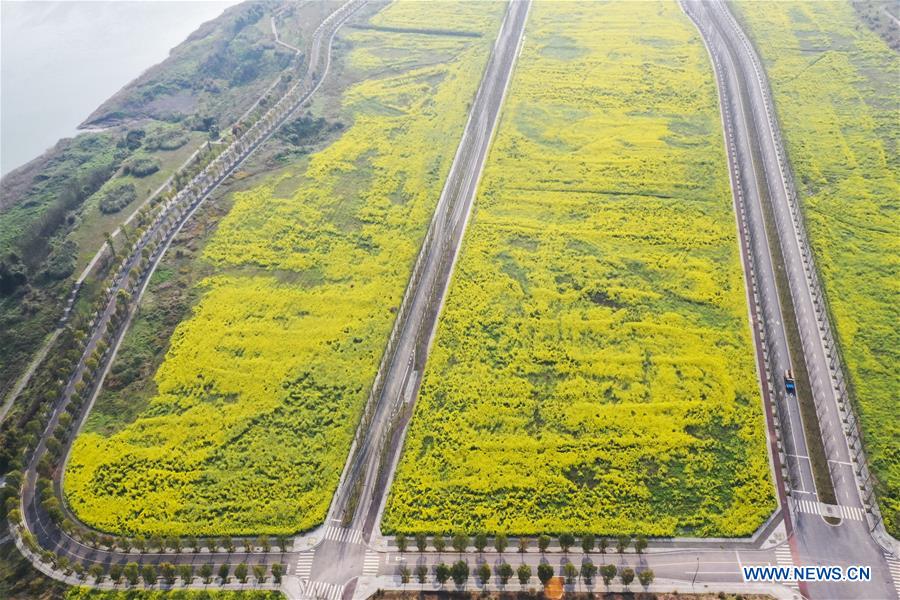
x: 759, y: 162
x: 758, y: 182
x: 23, y: 380
x: 337, y: 561
x: 362, y: 490
x: 162, y: 231
x: 439, y: 251
x: 683, y: 570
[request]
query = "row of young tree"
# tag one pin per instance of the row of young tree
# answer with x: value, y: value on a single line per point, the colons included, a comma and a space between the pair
x: 21, y: 431
x: 134, y: 574
x: 52, y: 506
x: 460, y: 542
x: 66, y: 360
x: 175, y: 545
x: 459, y: 572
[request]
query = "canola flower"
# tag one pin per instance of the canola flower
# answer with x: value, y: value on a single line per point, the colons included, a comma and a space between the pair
x: 593, y: 368
x: 837, y: 97
x: 262, y: 387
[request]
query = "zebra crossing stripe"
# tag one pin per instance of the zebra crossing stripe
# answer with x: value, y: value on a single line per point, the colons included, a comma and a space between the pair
x: 894, y: 567
x: 784, y: 559
x: 319, y: 590
x: 853, y: 512
x: 339, y: 534
x: 810, y: 506
x: 371, y: 563
x: 304, y: 565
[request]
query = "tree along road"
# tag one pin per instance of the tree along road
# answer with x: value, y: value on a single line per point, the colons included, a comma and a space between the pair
x: 157, y: 238
x: 25, y: 377
x: 358, y: 555
x: 360, y: 495
x: 760, y: 163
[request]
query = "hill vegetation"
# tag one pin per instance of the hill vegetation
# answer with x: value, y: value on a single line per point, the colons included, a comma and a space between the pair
x: 213, y: 76
x: 57, y: 210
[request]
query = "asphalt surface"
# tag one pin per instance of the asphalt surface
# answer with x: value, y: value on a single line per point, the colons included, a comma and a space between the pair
x: 440, y: 250
x: 363, y: 488
x: 759, y: 160
x: 354, y: 560
x: 698, y: 569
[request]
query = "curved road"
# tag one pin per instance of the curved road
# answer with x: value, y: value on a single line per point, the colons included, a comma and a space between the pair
x: 354, y: 560
x: 760, y: 162
x: 162, y: 230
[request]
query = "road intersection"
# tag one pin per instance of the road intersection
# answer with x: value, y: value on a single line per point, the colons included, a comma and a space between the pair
x: 347, y: 557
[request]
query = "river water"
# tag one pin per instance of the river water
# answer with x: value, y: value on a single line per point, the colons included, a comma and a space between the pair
x: 60, y: 60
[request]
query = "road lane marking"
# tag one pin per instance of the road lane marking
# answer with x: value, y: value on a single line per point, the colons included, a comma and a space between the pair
x: 784, y: 559
x: 809, y: 507
x: 894, y: 567
x: 814, y: 507
x: 320, y: 590
x: 371, y: 563
x: 303, y: 566
x: 340, y: 534
x: 852, y: 512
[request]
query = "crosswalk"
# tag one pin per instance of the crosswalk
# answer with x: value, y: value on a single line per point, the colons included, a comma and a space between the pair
x: 303, y: 566
x: 371, y: 563
x: 814, y: 507
x: 784, y: 559
x: 894, y: 566
x: 340, y: 534
x: 853, y: 513
x: 809, y: 506
x: 319, y: 590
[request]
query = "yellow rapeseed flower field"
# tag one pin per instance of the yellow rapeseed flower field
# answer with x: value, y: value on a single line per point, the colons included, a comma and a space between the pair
x: 593, y: 368
x: 837, y: 95
x: 262, y: 387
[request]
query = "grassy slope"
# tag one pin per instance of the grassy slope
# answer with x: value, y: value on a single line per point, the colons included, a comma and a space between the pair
x: 200, y: 79
x: 93, y: 225
x: 261, y: 388
x: 837, y: 95
x: 219, y: 70
x: 29, y: 314
x: 593, y: 367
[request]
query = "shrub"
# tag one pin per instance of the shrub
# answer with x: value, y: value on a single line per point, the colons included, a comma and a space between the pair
x: 141, y: 166
x: 116, y: 197
x: 460, y: 572
x: 166, y: 139
x: 544, y: 572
